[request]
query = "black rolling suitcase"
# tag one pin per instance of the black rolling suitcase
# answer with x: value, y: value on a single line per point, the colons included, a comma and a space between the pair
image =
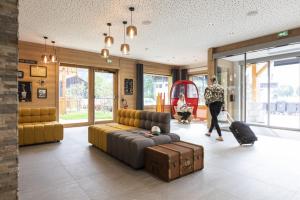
x: 242, y: 133
x: 240, y: 130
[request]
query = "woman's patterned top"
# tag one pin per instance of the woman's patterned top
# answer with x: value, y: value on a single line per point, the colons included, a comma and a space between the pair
x: 213, y: 93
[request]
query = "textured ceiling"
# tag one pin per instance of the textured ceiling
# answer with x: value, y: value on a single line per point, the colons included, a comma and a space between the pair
x: 180, y: 33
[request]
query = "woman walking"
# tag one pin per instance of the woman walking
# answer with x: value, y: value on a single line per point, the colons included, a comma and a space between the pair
x: 214, y: 99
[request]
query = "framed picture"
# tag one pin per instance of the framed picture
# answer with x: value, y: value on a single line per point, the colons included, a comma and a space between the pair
x: 20, y: 74
x: 24, y: 91
x: 38, y: 71
x: 128, y: 86
x: 42, y: 93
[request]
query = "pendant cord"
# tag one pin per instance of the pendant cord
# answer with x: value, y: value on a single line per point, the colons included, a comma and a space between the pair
x: 45, y: 46
x: 124, y: 33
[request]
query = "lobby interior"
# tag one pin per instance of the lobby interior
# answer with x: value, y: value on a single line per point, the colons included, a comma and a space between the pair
x: 77, y: 77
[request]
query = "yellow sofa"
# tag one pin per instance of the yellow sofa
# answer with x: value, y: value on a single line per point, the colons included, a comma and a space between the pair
x: 127, y: 120
x: 39, y: 125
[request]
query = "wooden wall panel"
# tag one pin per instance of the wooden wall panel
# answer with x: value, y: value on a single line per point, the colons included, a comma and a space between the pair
x: 127, y: 70
x: 156, y: 68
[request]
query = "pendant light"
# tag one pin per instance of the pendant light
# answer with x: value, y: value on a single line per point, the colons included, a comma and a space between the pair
x: 109, y: 40
x: 44, y: 56
x: 104, y: 52
x: 53, y: 57
x: 125, y: 47
x: 131, y: 30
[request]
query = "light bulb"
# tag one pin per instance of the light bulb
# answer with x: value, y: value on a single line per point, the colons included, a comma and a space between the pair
x: 109, y: 41
x: 125, y: 48
x: 52, y: 58
x: 44, y: 59
x: 105, y: 53
x: 131, y: 31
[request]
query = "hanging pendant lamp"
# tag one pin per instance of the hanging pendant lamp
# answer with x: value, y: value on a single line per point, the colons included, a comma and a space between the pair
x: 109, y: 40
x: 44, y: 56
x: 125, y: 47
x: 104, y: 52
x: 131, y: 30
x: 53, y: 57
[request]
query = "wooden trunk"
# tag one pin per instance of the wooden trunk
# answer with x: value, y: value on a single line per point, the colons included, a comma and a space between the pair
x: 186, y: 158
x: 198, y: 152
x: 162, y: 162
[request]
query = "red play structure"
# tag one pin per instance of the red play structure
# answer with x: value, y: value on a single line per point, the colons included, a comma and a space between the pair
x: 190, y: 91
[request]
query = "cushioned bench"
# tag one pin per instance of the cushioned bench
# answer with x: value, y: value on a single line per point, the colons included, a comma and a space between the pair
x: 122, y: 139
x: 38, y: 125
x: 129, y: 146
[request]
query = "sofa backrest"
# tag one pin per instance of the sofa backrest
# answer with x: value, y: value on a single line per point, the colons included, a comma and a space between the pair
x: 31, y: 115
x: 129, y: 117
x: 144, y: 119
x: 160, y: 119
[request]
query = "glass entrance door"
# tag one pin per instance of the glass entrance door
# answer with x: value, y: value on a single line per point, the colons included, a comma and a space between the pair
x: 257, y: 91
x: 104, y: 96
x: 285, y: 93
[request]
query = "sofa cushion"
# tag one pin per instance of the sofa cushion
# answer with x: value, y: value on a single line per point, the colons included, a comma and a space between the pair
x: 34, y: 133
x: 150, y: 119
x: 29, y: 115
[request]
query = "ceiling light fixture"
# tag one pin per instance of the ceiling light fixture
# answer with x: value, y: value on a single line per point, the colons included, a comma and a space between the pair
x: 109, y: 40
x: 44, y: 56
x: 125, y: 47
x: 104, y: 52
x: 53, y: 57
x: 131, y: 30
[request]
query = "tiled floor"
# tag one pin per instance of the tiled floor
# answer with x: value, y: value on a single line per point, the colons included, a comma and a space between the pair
x: 74, y: 170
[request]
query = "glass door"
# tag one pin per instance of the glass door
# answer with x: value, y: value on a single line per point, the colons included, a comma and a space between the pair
x: 257, y: 91
x: 285, y: 93
x: 104, y: 90
x: 73, y: 94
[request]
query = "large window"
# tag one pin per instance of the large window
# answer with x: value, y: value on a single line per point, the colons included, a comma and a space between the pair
x: 73, y: 94
x: 155, y: 85
x: 262, y: 87
x: 201, y: 83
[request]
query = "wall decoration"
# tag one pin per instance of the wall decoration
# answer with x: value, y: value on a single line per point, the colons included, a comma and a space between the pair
x: 33, y: 62
x: 20, y: 74
x: 42, y: 93
x: 24, y: 91
x: 128, y: 86
x: 38, y: 71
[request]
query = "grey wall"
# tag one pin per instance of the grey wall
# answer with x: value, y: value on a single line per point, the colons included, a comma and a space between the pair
x: 8, y: 99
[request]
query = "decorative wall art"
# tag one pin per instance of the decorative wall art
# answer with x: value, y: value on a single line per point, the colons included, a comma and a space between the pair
x: 38, y: 71
x: 20, y: 74
x: 128, y: 86
x: 24, y: 91
x: 42, y: 93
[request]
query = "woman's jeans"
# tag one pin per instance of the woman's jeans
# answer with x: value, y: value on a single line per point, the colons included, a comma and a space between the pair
x: 215, y: 109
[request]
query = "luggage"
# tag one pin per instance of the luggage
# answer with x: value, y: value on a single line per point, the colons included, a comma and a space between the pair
x: 242, y: 133
x: 162, y: 162
x: 198, y: 153
x: 186, y: 158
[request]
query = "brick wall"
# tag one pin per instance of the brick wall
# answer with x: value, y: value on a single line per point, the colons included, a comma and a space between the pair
x: 8, y: 99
